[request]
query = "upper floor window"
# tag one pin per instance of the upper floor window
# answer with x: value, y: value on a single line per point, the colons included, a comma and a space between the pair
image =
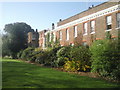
x: 67, y: 34
x: 118, y: 20
x: 60, y: 35
x: 85, y: 29
x: 75, y: 31
x: 92, y: 26
x: 109, y: 22
x: 54, y: 36
x: 50, y: 37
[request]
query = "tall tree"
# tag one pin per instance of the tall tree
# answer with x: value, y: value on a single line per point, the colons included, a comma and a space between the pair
x: 16, y: 37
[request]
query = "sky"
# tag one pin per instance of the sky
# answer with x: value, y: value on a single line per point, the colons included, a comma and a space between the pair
x: 40, y: 15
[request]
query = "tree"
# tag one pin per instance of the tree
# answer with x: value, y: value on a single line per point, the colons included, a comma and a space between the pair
x: 15, y: 38
x: 5, y: 46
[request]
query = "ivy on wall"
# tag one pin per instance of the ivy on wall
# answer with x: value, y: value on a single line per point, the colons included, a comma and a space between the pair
x: 50, y: 43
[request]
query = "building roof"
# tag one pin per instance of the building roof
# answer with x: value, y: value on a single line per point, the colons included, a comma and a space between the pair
x: 87, y: 12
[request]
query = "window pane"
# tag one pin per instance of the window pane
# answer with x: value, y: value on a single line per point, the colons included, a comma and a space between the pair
x: 60, y: 35
x: 67, y: 34
x: 85, y: 28
x: 92, y: 26
x: 92, y: 23
x: 109, y: 27
x: 109, y: 20
x: 75, y: 31
x: 54, y: 36
x: 118, y: 16
x: 118, y: 19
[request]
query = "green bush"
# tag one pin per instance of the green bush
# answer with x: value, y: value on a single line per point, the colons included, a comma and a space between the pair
x: 52, y: 57
x: 75, y: 66
x: 19, y: 54
x: 41, y: 57
x: 81, y: 54
x: 48, y: 57
x: 35, y: 53
x: 106, y: 58
x: 70, y: 56
x: 62, y: 55
x: 27, y: 53
x: 72, y: 65
x: 30, y: 54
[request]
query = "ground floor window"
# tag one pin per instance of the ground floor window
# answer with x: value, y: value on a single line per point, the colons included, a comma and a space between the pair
x: 118, y: 20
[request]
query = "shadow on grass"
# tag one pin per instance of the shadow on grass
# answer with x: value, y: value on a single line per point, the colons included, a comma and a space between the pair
x: 24, y: 75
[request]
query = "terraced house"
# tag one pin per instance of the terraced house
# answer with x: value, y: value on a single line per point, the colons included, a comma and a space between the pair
x: 92, y: 24
x: 87, y: 26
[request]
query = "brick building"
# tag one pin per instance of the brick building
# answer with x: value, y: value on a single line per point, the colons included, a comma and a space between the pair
x: 42, y: 38
x: 33, y: 39
x: 90, y: 25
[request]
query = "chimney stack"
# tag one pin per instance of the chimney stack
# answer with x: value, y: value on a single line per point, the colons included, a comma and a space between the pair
x: 60, y: 20
x: 53, y: 26
x: 91, y: 7
x: 36, y: 30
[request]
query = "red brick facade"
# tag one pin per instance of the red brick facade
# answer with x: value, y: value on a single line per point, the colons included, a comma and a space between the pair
x: 41, y: 38
x: 33, y: 39
x: 95, y: 19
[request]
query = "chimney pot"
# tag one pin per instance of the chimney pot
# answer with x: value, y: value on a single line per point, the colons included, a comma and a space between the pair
x: 53, y: 26
x: 60, y: 20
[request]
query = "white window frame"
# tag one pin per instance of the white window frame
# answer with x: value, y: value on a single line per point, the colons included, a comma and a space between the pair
x: 92, y: 26
x: 67, y: 34
x: 54, y: 36
x: 108, y: 22
x: 85, y: 28
x: 118, y: 19
x: 60, y: 35
x: 50, y: 37
x: 75, y: 31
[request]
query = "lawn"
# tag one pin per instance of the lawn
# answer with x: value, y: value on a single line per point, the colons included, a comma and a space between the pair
x: 18, y: 74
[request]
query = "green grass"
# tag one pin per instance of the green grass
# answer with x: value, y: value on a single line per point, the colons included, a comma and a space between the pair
x: 18, y: 74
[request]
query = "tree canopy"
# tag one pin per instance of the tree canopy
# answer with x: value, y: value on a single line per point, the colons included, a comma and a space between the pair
x: 15, y: 38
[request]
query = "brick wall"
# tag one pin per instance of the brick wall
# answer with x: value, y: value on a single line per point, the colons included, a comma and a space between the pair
x: 33, y: 39
x: 88, y: 12
x: 100, y: 26
x: 100, y: 31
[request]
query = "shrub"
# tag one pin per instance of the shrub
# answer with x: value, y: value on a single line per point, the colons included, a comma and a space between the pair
x: 82, y: 54
x: 75, y: 66
x: 70, y: 56
x: 52, y: 57
x: 35, y: 53
x: 48, y: 57
x: 63, y: 54
x: 38, y: 49
x: 81, y: 57
x: 19, y: 54
x: 27, y: 53
x: 106, y: 58
x: 41, y: 57
x: 72, y: 65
